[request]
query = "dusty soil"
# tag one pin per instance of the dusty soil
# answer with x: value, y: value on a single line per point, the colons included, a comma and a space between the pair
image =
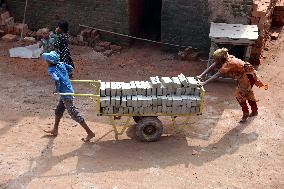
x: 211, y: 151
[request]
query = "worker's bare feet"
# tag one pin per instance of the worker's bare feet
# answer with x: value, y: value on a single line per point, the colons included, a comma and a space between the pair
x: 51, y: 132
x: 89, y: 137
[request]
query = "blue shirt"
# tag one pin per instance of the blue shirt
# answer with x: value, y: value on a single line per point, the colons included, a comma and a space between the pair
x: 60, y: 74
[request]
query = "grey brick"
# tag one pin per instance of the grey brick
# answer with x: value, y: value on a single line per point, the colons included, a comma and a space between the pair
x: 126, y: 89
x: 133, y: 87
x: 124, y: 101
x: 112, y: 101
x: 169, y: 101
x: 129, y: 101
x: 107, y: 89
x: 154, y: 100
x: 179, y: 91
x: 103, y: 89
x: 183, y: 80
x: 164, y: 101
x: 159, y: 100
x: 134, y: 101
x: 144, y: 101
x: 117, y: 101
x: 177, y: 101
x: 164, y: 109
x: 176, y: 82
x: 169, y: 110
x: 139, y: 100
x: 156, y: 83
x: 130, y: 110
x: 192, y: 82
x: 159, y: 109
x: 166, y: 81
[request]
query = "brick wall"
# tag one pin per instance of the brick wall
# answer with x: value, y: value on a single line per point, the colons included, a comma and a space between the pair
x: 105, y: 14
x: 184, y: 22
x: 230, y: 11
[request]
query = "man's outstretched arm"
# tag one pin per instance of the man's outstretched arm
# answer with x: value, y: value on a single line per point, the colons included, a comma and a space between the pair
x: 214, y: 77
x: 207, y: 70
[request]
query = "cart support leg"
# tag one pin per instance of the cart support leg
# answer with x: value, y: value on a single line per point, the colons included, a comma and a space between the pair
x: 115, y: 130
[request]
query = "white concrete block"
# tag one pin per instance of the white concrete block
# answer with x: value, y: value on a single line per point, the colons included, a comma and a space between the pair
x: 139, y: 100
x: 169, y: 101
x: 193, y: 83
x: 126, y: 89
x: 107, y: 91
x: 133, y: 87
x: 156, y: 83
x: 129, y: 101
x: 134, y: 101
x: 154, y: 100
x: 176, y: 82
x: 183, y: 80
x: 124, y: 101
x: 166, y: 81
x: 103, y: 89
x: 159, y: 109
x: 159, y: 100
x: 130, y: 110
x: 117, y: 101
x: 112, y: 100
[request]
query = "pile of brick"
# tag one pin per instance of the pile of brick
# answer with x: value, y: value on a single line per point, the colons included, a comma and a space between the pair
x: 188, y: 54
x: 278, y: 14
x: 165, y: 95
x: 8, y: 26
x: 91, y: 38
x: 262, y: 17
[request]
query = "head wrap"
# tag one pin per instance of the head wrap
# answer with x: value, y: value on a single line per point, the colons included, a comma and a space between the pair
x: 220, y: 53
x: 51, y: 57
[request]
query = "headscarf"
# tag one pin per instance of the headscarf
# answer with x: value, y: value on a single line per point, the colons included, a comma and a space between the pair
x: 51, y: 57
x: 220, y: 53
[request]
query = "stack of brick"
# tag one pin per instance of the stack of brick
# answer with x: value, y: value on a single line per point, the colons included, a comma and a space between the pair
x: 262, y: 17
x: 8, y: 26
x: 278, y: 14
x: 91, y: 38
x: 165, y: 95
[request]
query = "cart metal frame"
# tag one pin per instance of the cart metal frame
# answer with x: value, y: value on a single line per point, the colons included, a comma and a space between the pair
x: 112, y: 117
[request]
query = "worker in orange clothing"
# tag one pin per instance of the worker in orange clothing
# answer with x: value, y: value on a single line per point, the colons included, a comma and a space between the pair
x: 243, y: 72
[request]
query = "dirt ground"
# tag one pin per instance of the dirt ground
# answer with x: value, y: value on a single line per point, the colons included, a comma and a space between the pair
x: 213, y: 151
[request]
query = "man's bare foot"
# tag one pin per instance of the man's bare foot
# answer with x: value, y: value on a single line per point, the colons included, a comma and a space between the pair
x: 89, y: 137
x: 52, y: 132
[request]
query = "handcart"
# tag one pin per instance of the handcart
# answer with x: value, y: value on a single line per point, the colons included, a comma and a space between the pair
x: 148, y: 127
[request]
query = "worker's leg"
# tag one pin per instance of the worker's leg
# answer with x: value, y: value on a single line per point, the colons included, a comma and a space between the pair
x: 254, y: 108
x: 245, y: 110
x: 58, y: 115
x: 75, y: 115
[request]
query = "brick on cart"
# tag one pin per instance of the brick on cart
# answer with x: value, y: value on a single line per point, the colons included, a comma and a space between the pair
x: 183, y: 80
x: 164, y: 101
x: 169, y: 101
x: 184, y: 110
x: 144, y: 101
x: 133, y: 87
x: 125, y: 110
x: 126, y: 89
x: 117, y: 101
x: 164, y: 109
x: 155, y: 109
x: 149, y: 88
x: 159, y: 100
x: 123, y: 101
x: 192, y: 109
x: 176, y: 82
x: 184, y: 100
x: 193, y: 83
x: 134, y: 101
x: 129, y: 101
x: 130, y: 110
x: 197, y: 91
x: 103, y: 89
x: 177, y: 101
x: 112, y: 100
x: 113, y: 87
x: 136, y: 111
x: 150, y: 100
x: 169, y: 110
x: 166, y: 81
x: 154, y: 100
x: 197, y: 109
x: 159, y: 109
x: 156, y: 83
x: 139, y: 100
x: 120, y: 110
x: 107, y: 88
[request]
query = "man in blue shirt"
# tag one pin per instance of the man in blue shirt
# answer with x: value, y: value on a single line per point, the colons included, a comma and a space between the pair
x: 59, y: 71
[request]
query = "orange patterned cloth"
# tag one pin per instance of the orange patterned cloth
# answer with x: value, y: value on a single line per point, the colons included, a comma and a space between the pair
x: 239, y: 70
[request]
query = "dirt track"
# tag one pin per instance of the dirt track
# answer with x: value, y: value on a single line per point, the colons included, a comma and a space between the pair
x: 213, y: 151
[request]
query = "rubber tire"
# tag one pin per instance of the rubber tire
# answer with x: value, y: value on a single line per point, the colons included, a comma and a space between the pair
x: 151, y: 123
x: 137, y: 118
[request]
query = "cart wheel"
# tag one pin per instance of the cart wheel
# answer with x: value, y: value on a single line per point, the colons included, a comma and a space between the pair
x: 137, y: 118
x: 149, y: 129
